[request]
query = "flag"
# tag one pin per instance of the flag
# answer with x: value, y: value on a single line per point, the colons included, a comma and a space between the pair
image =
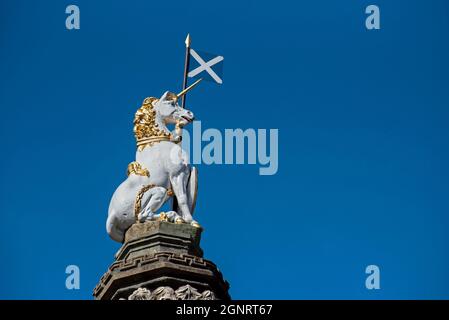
x: 205, y: 65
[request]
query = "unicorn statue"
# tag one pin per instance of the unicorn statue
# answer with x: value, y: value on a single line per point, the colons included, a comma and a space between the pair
x: 160, y: 171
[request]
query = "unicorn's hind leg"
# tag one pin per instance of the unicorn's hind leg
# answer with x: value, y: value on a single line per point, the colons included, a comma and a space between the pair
x: 154, y: 198
x: 114, y: 229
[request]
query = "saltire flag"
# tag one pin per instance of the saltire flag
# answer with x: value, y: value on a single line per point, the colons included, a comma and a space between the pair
x: 205, y: 65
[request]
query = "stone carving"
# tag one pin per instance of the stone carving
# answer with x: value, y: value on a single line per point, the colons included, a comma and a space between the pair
x: 163, y: 293
x: 140, y: 294
x: 186, y: 292
x: 181, y: 259
x: 208, y: 295
x: 159, y: 171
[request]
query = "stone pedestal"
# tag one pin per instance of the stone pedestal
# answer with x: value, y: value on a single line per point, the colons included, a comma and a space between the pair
x: 162, y: 260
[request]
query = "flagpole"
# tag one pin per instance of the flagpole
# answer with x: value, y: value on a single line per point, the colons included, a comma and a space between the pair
x: 186, y: 68
x: 183, y: 102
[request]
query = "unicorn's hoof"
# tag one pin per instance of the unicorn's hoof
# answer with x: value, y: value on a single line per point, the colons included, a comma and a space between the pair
x: 195, y: 224
x: 179, y: 220
x: 163, y: 217
x: 141, y: 217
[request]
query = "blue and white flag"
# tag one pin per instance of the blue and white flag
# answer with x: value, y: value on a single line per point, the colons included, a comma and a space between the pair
x: 205, y: 65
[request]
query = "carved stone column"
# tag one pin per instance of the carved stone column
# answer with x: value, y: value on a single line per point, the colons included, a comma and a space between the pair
x: 162, y: 261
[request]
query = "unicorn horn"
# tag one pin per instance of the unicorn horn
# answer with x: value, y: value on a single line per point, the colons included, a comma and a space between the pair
x: 193, y: 85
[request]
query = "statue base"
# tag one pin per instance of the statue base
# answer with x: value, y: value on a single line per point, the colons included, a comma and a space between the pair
x: 162, y: 261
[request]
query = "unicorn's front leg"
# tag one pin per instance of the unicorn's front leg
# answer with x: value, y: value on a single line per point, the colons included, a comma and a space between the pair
x: 179, y: 184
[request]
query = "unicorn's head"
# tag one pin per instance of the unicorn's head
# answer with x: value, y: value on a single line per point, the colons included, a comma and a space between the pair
x: 169, y: 111
x: 152, y: 118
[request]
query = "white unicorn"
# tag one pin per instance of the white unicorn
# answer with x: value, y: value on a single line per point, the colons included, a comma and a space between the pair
x: 160, y: 171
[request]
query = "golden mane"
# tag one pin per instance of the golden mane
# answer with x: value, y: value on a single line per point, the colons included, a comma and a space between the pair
x: 146, y: 130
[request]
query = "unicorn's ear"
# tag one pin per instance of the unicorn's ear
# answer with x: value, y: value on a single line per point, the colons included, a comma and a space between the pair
x: 164, y: 96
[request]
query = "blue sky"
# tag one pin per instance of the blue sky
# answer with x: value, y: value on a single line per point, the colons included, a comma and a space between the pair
x: 363, y: 141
